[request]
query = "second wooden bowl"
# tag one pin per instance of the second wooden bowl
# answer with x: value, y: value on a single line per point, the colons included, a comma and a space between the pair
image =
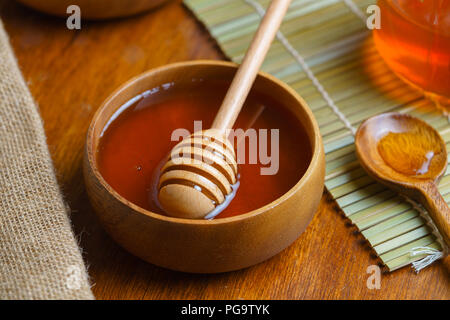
x: 94, y: 9
x: 206, y: 246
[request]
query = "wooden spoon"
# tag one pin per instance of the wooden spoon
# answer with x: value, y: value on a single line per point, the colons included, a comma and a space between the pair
x: 409, y: 156
x: 202, y: 168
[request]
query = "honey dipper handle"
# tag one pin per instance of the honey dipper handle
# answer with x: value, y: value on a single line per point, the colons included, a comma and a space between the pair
x: 246, y: 74
x: 437, y: 208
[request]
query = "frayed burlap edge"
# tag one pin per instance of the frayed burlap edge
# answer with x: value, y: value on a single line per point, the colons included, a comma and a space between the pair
x: 39, y: 256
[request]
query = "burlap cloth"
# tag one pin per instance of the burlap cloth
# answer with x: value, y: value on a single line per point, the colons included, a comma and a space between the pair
x: 39, y: 256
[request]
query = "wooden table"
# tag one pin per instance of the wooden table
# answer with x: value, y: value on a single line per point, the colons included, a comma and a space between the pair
x: 71, y: 72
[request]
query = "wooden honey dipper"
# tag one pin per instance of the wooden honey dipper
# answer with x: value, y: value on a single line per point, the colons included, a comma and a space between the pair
x: 202, y: 168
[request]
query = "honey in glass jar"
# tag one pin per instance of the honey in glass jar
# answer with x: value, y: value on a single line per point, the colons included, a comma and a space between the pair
x: 414, y: 40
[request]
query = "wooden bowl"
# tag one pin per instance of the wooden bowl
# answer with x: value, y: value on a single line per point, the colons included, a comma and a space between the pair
x: 205, y: 246
x: 94, y: 9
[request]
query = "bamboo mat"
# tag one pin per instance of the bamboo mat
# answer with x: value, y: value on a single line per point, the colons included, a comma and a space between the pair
x: 326, y: 53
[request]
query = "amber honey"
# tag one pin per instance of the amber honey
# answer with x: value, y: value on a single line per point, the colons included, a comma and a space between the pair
x: 411, y: 152
x: 414, y: 40
x: 137, y: 140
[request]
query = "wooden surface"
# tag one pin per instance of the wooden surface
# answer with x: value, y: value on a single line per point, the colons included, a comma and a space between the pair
x: 71, y: 72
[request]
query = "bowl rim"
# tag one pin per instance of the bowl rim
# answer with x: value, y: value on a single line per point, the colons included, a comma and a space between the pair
x: 314, y: 162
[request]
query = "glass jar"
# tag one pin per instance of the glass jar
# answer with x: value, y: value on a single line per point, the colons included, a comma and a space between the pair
x: 414, y: 40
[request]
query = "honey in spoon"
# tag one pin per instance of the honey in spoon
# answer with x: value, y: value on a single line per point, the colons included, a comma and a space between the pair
x: 409, y: 156
x: 410, y: 153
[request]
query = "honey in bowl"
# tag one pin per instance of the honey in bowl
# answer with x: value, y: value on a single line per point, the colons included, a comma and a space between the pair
x: 137, y: 139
